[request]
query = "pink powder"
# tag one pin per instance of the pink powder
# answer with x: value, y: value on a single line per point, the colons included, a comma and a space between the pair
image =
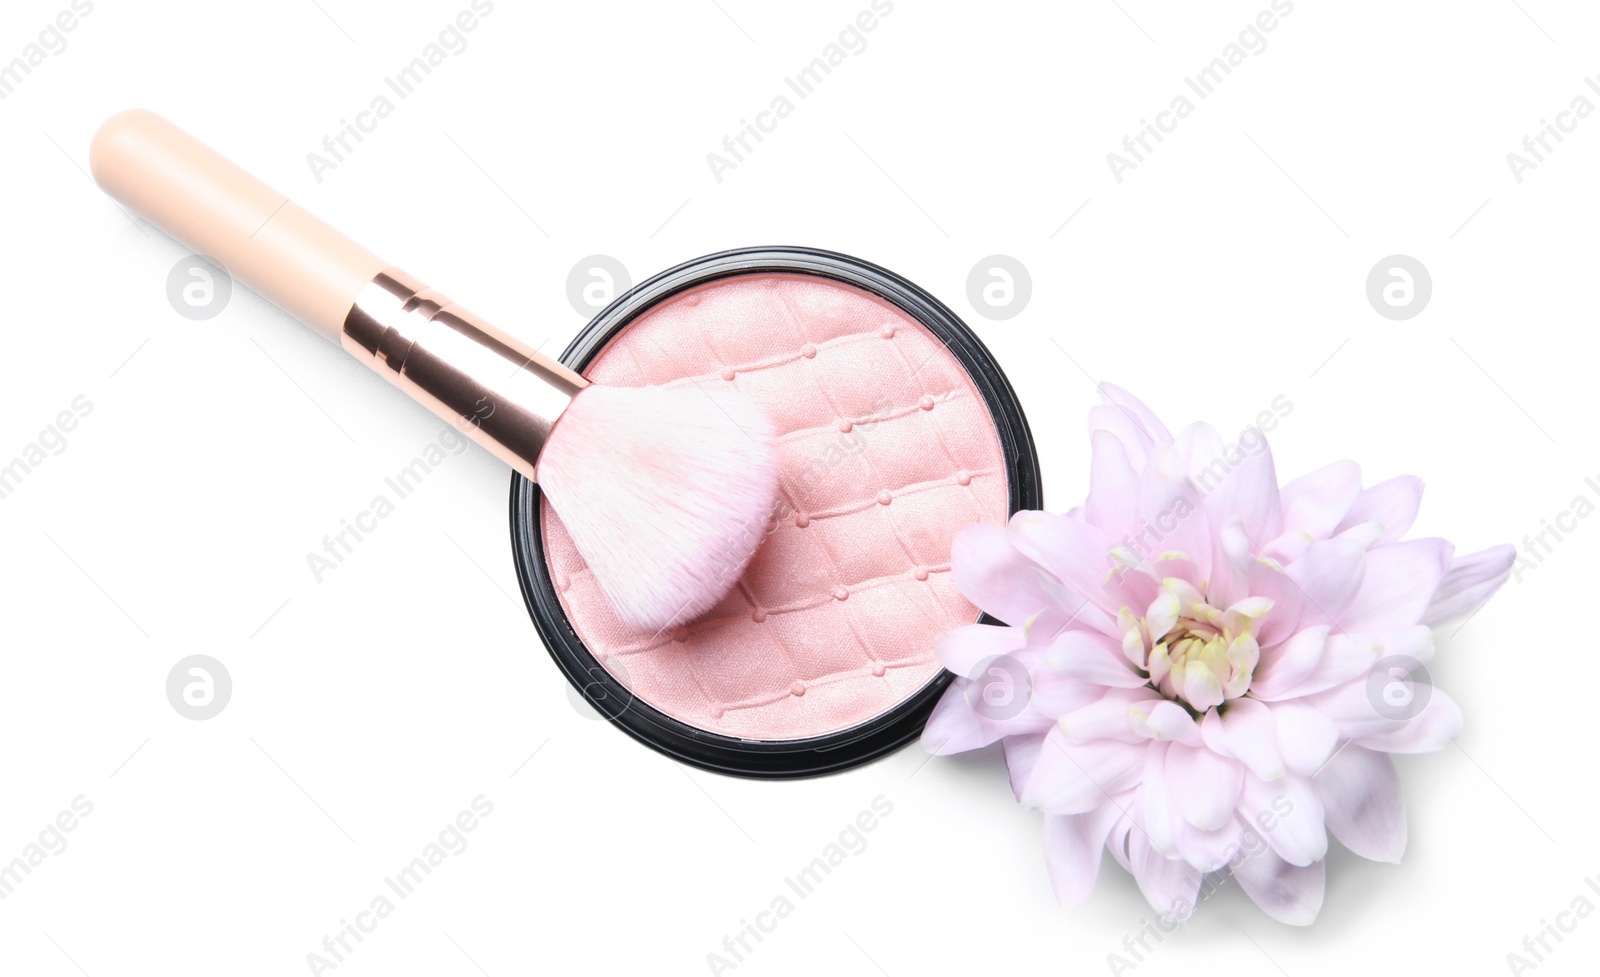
x: 887, y: 451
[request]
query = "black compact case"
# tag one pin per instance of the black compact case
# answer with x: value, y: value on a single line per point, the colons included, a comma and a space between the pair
x: 714, y: 751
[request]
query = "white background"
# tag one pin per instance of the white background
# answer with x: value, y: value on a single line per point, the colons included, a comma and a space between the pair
x: 1226, y: 270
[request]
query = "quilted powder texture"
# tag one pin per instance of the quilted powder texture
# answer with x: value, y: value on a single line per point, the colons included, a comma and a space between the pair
x: 887, y: 450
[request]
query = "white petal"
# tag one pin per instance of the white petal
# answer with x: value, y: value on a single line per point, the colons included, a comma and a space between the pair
x: 1094, y: 659
x: 1287, y: 893
x: 1117, y: 842
x: 1244, y: 729
x: 1204, y: 786
x: 1165, y: 721
x: 1470, y: 581
x: 1022, y: 753
x: 994, y: 576
x: 1400, y: 582
x: 1138, y: 411
x: 1185, y: 569
x: 1360, y: 792
x: 1054, y: 693
x: 1289, y: 814
x: 1250, y: 493
x: 1415, y: 643
x: 1365, y: 534
x: 1171, y: 516
x: 1113, y: 487
x: 1162, y: 614
x: 1331, y: 575
x: 1394, y: 712
x: 1158, y: 814
x: 1077, y: 778
x: 962, y: 649
x: 1229, y: 562
x: 1170, y: 885
x: 1266, y: 578
x: 1286, y: 665
x: 1200, y: 686
x: 1306, y: 738
x: 1249, y: 609
x: 1243, y: 655
x: 1126, y: 428
x: 954, y: 727
x: 1429, y: 731
x: 1393, y: 503
x: 1208, y: 851
x: 1111, y: 717
x: 1147, y: 418
x: 1076, y: 553
x: 1072, y: 848
x: 1201, y: 448
x: 1071, y: 609
x: 1291, y: 546
x: 1160, y: 663
x: 1344, y: 657
x: 1316, y: 503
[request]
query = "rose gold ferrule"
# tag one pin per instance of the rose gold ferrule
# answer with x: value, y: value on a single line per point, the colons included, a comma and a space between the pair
x: 503, y: 394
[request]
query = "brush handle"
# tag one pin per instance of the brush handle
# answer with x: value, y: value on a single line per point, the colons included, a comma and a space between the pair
x: 261, y: 237
x: 504, y: 394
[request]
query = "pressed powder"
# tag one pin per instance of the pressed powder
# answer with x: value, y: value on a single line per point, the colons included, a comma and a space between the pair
x: 887, y: 450
x: 896, y: 429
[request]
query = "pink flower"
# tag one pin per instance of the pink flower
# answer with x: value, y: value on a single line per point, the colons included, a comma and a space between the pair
x: 1200, y: 670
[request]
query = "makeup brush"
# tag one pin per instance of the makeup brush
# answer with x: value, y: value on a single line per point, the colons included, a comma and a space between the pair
x: 665, y: 492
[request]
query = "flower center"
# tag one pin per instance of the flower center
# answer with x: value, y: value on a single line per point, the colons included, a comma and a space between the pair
x: 1195, y: 654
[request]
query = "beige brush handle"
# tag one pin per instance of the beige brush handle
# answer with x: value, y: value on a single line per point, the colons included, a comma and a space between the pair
x: 504, y: 394
x: 258, y: 235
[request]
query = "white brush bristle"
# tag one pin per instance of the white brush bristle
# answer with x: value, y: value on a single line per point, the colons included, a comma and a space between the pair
x: 666, y: 493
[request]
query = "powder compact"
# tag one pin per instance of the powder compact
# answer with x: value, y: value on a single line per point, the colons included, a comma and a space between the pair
x: 896, y: 429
